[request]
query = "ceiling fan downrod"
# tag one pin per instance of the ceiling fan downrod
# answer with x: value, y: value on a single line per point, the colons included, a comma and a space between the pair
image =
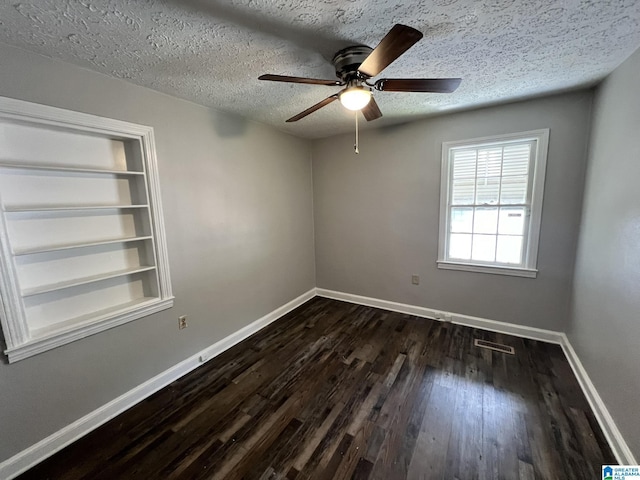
x: 355, y: 146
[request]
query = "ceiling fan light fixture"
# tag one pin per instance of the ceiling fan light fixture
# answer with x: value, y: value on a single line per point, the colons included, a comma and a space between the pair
x: 355, y: 98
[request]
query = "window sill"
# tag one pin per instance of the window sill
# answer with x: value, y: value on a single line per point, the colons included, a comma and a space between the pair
x: 495, y: 270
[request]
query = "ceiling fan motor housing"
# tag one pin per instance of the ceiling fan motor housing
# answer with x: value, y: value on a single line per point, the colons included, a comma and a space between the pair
x: 347, y: 61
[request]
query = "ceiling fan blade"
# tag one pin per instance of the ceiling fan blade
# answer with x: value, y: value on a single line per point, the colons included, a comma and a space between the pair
x: 311, y: 81
x: 371, y: 111
x: 435, y: 85
x: 399, y: 39
x: 317, y: 106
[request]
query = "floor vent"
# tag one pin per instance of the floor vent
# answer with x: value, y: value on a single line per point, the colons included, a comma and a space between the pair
x: 498, y: 347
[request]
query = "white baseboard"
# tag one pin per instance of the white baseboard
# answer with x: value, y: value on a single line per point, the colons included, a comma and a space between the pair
x: 620, y: 449
x: 549, y: 336
x: 35, y: 454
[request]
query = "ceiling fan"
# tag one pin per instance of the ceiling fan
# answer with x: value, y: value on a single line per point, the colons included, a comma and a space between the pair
x: 356, y: 65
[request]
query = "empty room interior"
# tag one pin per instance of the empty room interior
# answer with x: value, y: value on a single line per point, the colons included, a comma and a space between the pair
x: 319, y: 240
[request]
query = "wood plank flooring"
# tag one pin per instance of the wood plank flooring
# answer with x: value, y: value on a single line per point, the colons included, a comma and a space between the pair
x: 341, y: 391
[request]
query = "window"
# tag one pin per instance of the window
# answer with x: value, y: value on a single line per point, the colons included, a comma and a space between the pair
x: 491, y: 203
x: 83, y: 246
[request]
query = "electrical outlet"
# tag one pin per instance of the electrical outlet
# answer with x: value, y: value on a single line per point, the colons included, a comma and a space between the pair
x: 182, y: 322
x: 447, y: 317
x: 415, y: 279
x: 437, y: 315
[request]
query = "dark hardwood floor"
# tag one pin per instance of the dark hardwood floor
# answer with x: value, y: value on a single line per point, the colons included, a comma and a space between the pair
x: 334, y: 390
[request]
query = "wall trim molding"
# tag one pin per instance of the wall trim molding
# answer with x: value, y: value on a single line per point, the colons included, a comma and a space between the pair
x: 523, y: 331
x: 617, y: 443
x: 620, y: 448
x: 40, y: 451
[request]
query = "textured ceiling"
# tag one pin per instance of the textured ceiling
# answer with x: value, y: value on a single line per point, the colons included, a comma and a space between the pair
x: 211, y: 52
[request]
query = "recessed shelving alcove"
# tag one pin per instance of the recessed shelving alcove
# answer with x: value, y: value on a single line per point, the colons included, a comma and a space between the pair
x: 83, y: 244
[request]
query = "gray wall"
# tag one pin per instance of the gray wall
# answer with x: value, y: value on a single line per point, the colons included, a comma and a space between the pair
x: 376, y: 214
x: 605, y: 324
x: 238, y: 209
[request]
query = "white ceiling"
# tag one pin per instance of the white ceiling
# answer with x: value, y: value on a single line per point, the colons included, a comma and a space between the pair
x: 211, y: 52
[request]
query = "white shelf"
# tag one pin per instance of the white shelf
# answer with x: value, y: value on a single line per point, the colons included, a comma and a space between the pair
x: 31, y: 251
x: 70, y: 208
x: 83, y: 281
x: 91, y: 318
x: 52, y: 168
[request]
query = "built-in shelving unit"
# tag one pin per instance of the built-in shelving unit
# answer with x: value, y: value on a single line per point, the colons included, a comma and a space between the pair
x: 83, y: 245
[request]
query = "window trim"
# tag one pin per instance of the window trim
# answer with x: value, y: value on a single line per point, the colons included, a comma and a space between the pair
x: 541, y: 138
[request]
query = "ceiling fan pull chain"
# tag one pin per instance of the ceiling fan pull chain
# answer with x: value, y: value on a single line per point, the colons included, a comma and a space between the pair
x: 355, y: 147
